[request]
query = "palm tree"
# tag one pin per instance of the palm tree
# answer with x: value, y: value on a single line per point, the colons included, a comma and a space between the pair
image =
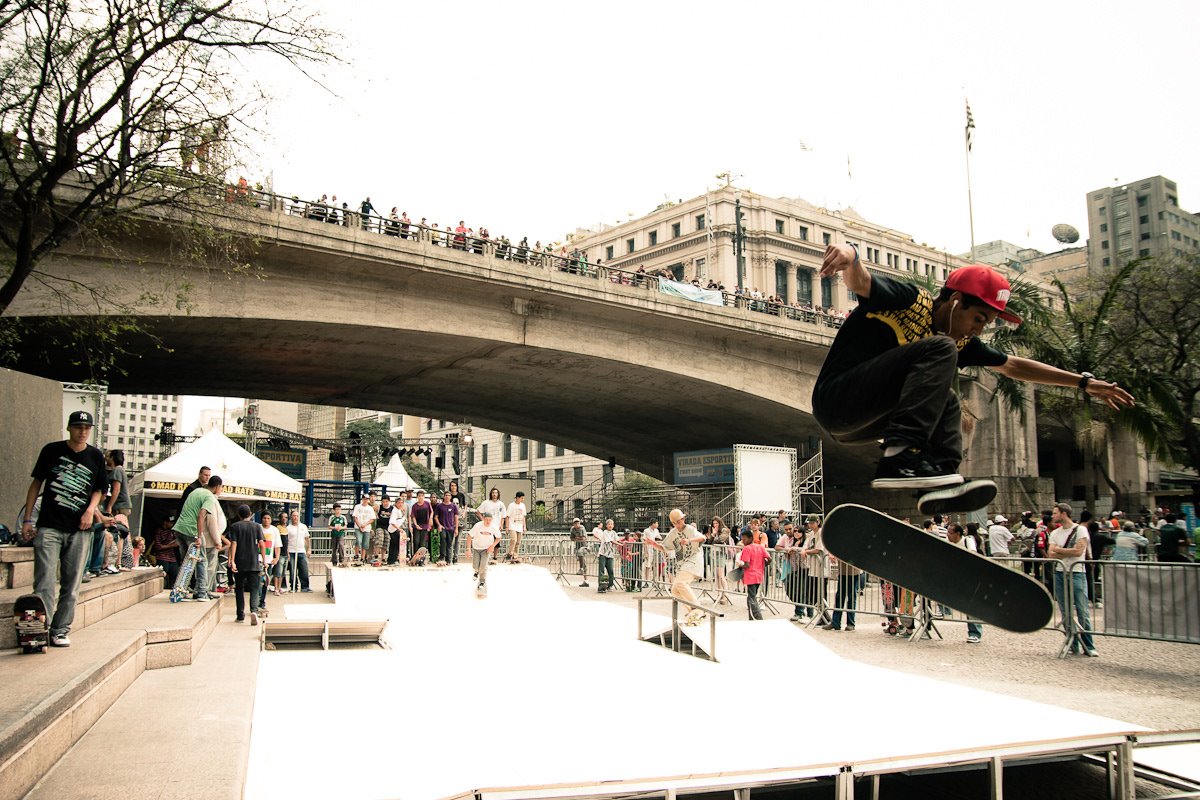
x: 1079, y: 337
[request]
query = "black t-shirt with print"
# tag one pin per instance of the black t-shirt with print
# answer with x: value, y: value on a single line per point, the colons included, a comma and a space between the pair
x: 69, y: 480
x: 383, y: 516
x: 896, y: 313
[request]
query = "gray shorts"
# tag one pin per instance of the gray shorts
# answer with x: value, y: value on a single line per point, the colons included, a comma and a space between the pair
x: 364, y: 539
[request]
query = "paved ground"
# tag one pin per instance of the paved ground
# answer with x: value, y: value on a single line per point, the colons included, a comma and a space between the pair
x: 1146, y: 683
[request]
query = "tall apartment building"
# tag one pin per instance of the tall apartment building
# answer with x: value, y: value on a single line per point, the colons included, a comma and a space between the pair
x: 784, y: 240
x: 131, y: 422
x: 1142, y: 218
x: 322, y: 422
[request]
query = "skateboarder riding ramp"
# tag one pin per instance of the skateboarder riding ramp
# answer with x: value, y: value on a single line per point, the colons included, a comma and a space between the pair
x: 524, y: 691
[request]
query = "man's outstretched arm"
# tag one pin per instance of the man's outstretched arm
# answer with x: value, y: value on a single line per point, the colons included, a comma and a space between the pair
x: 1026, y: 369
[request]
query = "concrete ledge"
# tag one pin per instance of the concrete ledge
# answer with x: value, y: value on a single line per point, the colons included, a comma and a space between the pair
x: 174, y: 632
x: 51, y: 700
x: 102, y: 597
x: 16, y: 567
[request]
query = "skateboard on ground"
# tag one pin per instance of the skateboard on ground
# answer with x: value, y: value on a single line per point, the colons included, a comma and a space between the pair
x: 907, y: 556
x: 29, y: 614
x: 969, y: 496
x: 186, y: 570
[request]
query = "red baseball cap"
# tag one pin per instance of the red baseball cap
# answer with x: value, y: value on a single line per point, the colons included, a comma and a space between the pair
x: 987, y: 284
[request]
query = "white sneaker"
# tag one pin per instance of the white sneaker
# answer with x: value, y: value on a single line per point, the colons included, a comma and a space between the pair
x: 60, y: 640
x: 973, y: 639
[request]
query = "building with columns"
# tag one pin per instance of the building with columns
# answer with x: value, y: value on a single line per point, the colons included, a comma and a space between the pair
x: 783, y: 241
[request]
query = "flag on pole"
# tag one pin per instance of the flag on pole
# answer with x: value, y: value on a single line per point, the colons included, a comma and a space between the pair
x: 970, y: 126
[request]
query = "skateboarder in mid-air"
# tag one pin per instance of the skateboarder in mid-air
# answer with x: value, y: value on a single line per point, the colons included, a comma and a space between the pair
x: 889, y: 373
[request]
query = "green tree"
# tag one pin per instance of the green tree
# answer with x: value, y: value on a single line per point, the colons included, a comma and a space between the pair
x: 112, y: 112
x: 1156, y: 331
x: 1077, y: 335
x: 422, y: 475
x: 369, y: 445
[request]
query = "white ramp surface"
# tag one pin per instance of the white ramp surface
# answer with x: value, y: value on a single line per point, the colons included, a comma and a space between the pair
x: 527, y: 688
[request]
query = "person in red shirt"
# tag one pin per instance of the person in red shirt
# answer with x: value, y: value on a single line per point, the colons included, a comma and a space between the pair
x: 753, y: 560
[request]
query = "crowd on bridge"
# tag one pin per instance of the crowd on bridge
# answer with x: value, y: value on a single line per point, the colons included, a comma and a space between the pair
x: 397, y: 223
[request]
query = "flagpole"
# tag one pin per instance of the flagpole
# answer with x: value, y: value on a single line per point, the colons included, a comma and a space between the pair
x: 970, y: 202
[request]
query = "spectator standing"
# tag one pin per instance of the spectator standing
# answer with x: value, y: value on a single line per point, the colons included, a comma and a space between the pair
x: 1069, y: 545
x: 380, y: 539
x: 298, y: 551
x: 607, y: 537
x: 281, y: 554
x: 790, y: 545
x: 165, y: 550
x: 398, y: 530
x: 846, y: 598
x: 579, y: 542
x: 246, y: 550
x: 365, y: 209
x: 496, y: 506
x: 999, y: 537
x: 337, y: 531
x: 753, y: 560
x: 1172, y: 540
x: 363, y: 515
x: 201, y: 482
x: 445, y: 517
x: 1129, y: 542
x: 651, y: 556
x: 117, y: 501
x: 420, y: 521
x: 70, y: 475
x: 270, y: 536
x: 516, y: 513
x: 813, y: 554
x: 956, y: 537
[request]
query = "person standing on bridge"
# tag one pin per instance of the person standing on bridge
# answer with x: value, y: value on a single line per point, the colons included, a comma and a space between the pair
x: 365, y: 210
x: 890, y: 372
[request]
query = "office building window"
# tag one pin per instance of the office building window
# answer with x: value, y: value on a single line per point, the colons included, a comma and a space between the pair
x: 560, y: 451
x: 608, y: 252
x: 675, y: 230
x: 577, y: 476
x: 653, y: 238
x: 1145, y: 236
x: 1106, y: 261
x: 826, y: 239
x: 1143, y: 252
x: 803, y: 233
x: 1104, y: 244
x: 699, y: 222
x: 779, y: 226
x: 804, y: 286
x: 483, y: 455
x: 1144, y: 219
x: 541, y: 479
x: 629, y: 245
x: 1103, y: 210
x: 701, y: 268
x: 558, y: 477
x: 577, y: 506
x: 506, y: 448
x: 1104, y: 227
x: 1142, y: 200
x: 524, y: 450
x: 541, y: 450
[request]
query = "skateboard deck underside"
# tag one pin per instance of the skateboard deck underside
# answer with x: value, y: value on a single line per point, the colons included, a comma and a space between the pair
x: 969, y: 583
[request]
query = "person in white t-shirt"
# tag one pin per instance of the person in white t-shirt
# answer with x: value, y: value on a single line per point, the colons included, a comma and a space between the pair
x: 681, y: 547
x: 495, y: 506
x: 298, y: 551
x: 364, y: 524
x: 1069, y: 545
x: 484, y: 535
x: 653, y: 557
x: 999, y: 537
x: 516, y: 525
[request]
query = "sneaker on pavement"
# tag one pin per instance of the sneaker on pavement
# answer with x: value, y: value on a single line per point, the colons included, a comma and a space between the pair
x: 60, y: 640
x: 908, y: 469
x: 1092, y: 654
x: 253, y: 618
x: 973, y: 639
x: 849, y: 627
x: 87, y: 578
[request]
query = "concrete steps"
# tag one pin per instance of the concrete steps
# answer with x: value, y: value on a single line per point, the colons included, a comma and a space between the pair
x: 16, y: 567
x: 101, y: 598
x: 51, y: 700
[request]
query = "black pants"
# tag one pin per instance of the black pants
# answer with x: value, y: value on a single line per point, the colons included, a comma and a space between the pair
x: 420, y: 539
x: 904, y: 396
x: 393, y: 547
x: 245, y: 582
x: 336, y: 558
x: 606, y: 566
x: 795, y: 586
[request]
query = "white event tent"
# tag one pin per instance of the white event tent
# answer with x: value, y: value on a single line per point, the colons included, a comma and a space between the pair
x: 395, y: 477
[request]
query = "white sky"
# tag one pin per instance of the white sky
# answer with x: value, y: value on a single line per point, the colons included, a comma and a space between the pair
x: 534, y: 118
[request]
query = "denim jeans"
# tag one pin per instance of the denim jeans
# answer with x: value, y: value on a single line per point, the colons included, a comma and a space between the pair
x: 847, y: 598
x: 752, y: 603
x: 1079, y: 602
x: 606, y: 566
x: 59, y: 556
x: 298, y: 564
x: 96, y: 560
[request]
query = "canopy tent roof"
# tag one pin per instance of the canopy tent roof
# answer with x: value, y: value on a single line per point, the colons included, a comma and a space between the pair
x: 246, y: 477
x: 395, y: 477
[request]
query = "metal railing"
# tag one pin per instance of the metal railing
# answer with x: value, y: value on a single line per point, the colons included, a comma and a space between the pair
x: 573, y: 263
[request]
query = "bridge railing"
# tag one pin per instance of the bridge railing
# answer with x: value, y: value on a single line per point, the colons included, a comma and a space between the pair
x: 573, y: 263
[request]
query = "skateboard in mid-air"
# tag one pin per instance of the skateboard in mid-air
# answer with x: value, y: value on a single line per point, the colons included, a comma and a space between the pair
x: 29, y: 614
x: 186, y: 570
x: 895, y: 551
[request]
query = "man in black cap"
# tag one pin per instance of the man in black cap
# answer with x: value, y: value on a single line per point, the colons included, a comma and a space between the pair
x: 73, y: 474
